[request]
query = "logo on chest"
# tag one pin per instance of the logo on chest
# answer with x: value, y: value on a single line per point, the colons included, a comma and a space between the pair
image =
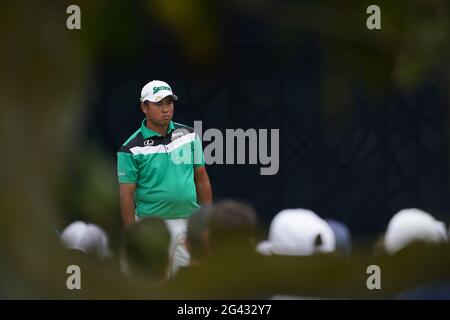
x: 148, y: 142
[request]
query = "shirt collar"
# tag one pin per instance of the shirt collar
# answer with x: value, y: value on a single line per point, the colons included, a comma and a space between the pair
x: 147, y: 133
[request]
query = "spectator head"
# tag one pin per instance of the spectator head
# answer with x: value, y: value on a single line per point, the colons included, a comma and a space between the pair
x: 196, y: 235
x: 298, y: 232
x: 145, y: 249
x: 409, y: 226
x: 86, y: 237
x: 224, y: 224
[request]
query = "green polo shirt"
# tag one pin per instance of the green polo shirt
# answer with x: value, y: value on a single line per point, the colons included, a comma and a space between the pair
x: 162, y: 167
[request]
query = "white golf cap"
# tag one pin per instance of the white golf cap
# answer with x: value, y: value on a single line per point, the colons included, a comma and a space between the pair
x: 298, y: 232
x: 88, y: 238
x: 156, y: 90
x: 412, y: 225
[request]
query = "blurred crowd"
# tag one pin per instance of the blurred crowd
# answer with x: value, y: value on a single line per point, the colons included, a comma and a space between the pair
x: 303, y: 256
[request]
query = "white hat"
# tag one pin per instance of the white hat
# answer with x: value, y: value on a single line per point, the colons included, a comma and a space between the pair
x: 411, y: 225
x: 298, y: 232
x: 88, y: 238
x: 156, y: 90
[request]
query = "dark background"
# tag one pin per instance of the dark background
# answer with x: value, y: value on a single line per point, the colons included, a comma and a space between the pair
x: 357, y: 152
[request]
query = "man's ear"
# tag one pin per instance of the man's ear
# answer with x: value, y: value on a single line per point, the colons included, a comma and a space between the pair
x: 144, y: 107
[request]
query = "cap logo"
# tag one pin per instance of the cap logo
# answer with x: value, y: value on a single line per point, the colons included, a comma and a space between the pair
x: 148, y: 142
x: 157, y: 89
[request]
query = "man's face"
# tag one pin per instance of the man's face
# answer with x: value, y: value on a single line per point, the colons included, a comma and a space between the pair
x: 160, y: 113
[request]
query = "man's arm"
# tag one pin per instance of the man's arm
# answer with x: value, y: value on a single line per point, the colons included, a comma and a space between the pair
x: 127, y: 205
x: 203, y: 186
